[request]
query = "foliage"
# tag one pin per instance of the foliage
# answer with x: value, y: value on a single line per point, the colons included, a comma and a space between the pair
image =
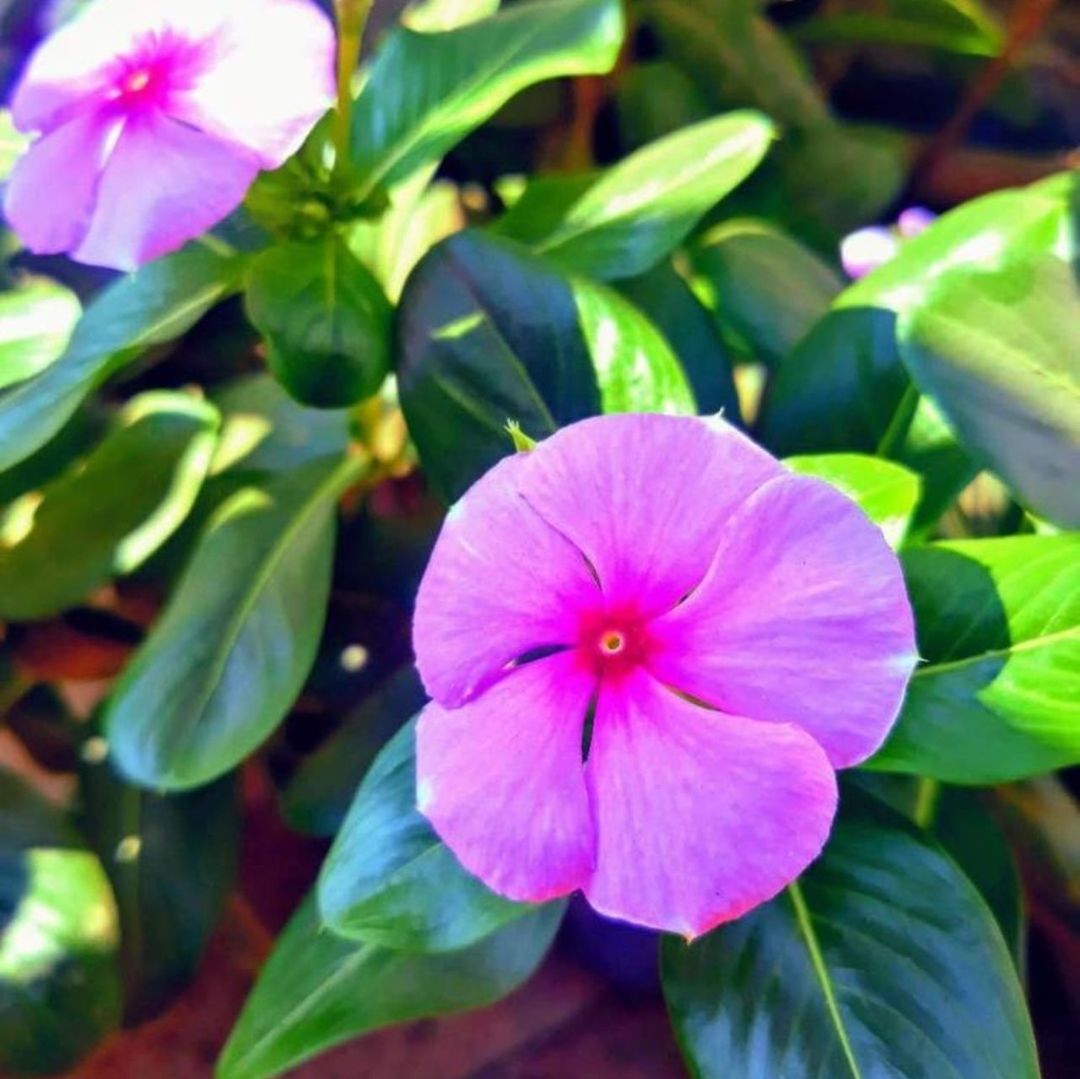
x: 224, y: 429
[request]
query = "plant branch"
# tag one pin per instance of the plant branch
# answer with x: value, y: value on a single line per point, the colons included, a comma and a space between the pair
x: 351, y: 18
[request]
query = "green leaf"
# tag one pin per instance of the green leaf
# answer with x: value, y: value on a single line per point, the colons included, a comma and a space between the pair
x: 643, y: 207
x: 108, y: 514
x: 766, y: 289
x: 431, y: 16
x: 59, y: 986
x: 673, y: 307
x: 226, y: 660
x: 35, y: 324
x: 882, y: 960
x: 959, y: 26
x: 266, y: 430
x: 317, y: 990
x: 1000, y: 353
x: 489, y: 333
x: 537, y: 209
x: 171, y: 860
x: 318, y: 795
x: 655, y: 98
x: 157, y: 304
x: 426, y: 92
x: 13, y: 144
x: 325, y: 318
x: 388, y: 880
x: 998, y: 623
x: 887, y: 493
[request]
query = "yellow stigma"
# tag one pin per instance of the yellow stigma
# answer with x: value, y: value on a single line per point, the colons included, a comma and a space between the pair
x: 612, y: 643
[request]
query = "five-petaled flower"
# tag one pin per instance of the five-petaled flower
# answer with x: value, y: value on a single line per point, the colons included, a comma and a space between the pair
x: 649, y: 647
x: 156, y: 115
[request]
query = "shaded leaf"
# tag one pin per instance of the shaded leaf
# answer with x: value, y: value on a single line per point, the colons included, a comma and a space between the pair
x: 106, y: 516
x: 317, y: 990
x: 226, y: 660
x: 882, y: 960
x: 489, y: 333
x: 158, y: 303
x: 59, y: 986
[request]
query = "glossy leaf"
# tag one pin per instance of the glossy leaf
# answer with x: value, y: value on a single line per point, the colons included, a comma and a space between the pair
x: 318, y: 795
x: 266, y: 430
x: 643, y: 207
x: 489, y: 333
x: 35, y: 324
x: 426, y: 92
x: 669, y: 302
x: 766, y: 288
x: 1000, y: 353
x: 59, y: 986
x: 108, y: 514
x: 882, y: 960
x: 887, y: 493
x: 389, y: 880
x: 317, y: 989
x: 157, y: 304
x: 325, y: 318
x: 430, y: 16
x: 226, y: 660
x: 171, y: 860
x: 998, y: 624
x: 540, y: 205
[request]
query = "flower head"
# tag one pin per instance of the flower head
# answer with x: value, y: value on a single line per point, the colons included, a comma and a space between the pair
x: 649, y: 646
x: 156, y: 115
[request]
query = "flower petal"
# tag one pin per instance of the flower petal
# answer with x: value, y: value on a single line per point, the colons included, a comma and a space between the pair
x: 270, y: 79
x: 803, y: 619
x: 501, y: 780
x: 164, y: 184
x: 645, y: 497
x: 50, y: 196
x: 74, y: 68
x: 500, y: 583
x: 699, y: 816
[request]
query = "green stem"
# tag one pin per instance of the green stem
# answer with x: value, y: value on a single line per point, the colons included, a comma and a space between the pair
x: 900, y: 422
x: 926, y: 800
x: 351, y: 17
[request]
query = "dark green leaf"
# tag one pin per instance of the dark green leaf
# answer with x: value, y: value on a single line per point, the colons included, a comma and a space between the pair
x: 540, y: 205
x: 886, y: 492
x: 107, y: 515
x: 654, y: 99
x: 171, y: 860
x: 1000, y: 353
x: 426, y: 92
x: 228, y: 657
x: 59, y: 986
x: 998, y: 623
x: 388, y: 880
x: 317, y: 989
x: 972, y: 837
x: 882, y: 961
x: 489, y: 333
x: 326, y: 321
x: 319, y: 794
x: 35, y: 324
x: 158, y: 303
x: 665, y: 297
x: 767, y: 290
x: 643, y: 207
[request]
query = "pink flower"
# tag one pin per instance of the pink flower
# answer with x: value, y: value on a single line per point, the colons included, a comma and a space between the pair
x: 156, y: 115
x: 735, y: 632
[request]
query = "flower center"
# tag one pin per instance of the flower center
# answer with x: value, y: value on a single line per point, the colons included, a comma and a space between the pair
x: 612, y: 642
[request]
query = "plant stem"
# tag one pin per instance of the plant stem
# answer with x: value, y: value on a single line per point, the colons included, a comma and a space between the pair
x: 351, y: 17
x: 926, y: 800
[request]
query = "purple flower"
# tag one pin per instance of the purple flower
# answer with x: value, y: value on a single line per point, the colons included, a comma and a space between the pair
x: 156, y: 115
x: 866, y: 249
x: 649, y: 647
